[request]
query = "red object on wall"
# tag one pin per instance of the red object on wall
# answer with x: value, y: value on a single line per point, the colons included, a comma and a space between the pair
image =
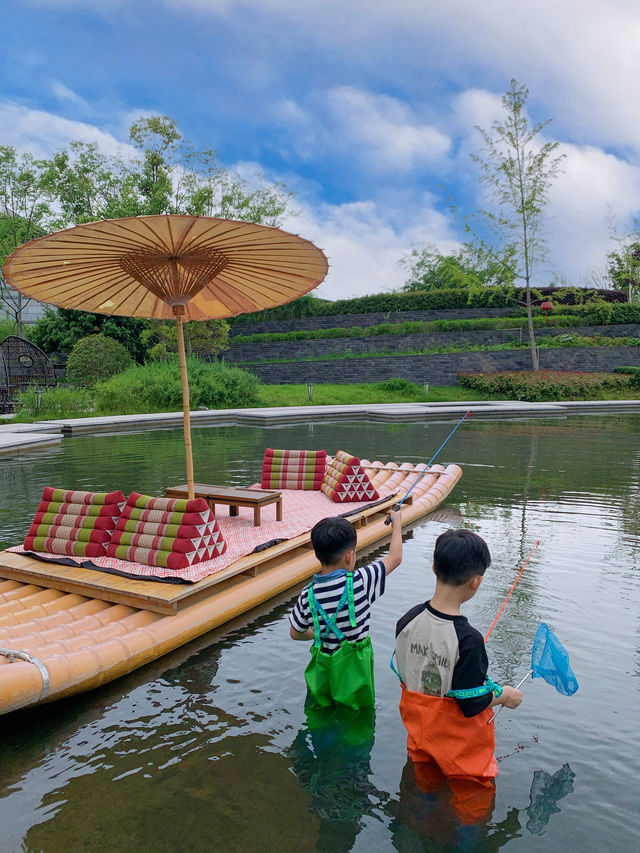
x: 546, y: 307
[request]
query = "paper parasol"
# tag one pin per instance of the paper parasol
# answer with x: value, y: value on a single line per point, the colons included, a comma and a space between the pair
x: 167, y: 267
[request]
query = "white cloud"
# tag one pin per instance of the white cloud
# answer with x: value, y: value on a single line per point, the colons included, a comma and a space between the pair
x: 380, y: 133
x: 64, y: 93
x: 385, y: 130
x: 580, y: 58
x: 304, y: 130
x: 363, y: 248
x: 593, y: 185
x: 42, y: 133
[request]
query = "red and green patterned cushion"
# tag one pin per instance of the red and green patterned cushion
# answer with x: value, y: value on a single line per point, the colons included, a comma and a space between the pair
x: 68, y: 547
x: 346, y: 480
x: 167, y: 559
x: 293, y: 469
x: 71, y: 496
x: 74, y: 523
x: 168, y: 532
x: 167, y: 504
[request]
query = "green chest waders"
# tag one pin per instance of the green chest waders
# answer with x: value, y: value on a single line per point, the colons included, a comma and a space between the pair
x: 346, y: 676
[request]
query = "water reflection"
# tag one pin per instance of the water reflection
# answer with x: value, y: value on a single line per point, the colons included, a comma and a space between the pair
x: 331, y: 758
x: 208, y: 749
x: 546, y: 793
x: 228, y: 796
x: 456, y: 814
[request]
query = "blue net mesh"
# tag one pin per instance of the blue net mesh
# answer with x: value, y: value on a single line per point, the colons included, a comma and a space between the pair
x: 550, y: 660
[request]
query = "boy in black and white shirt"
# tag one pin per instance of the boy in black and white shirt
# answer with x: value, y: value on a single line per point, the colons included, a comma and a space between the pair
x: 341, y: 597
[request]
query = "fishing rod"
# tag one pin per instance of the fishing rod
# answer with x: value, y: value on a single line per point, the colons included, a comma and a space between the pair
x: 513, y: 586
x: 398, y: 505
x: 493, y: 624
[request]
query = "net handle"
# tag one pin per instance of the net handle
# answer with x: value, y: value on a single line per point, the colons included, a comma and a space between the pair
x: 517, y: 687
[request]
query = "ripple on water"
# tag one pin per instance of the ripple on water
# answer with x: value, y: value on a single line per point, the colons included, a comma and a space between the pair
x: 210, y: 745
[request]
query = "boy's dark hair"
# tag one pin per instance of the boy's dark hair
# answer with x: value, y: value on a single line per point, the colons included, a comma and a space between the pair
x: 331, y: 537
x: 459, y: 555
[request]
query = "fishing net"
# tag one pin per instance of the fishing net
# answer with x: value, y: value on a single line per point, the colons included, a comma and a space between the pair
x: 550, y: 660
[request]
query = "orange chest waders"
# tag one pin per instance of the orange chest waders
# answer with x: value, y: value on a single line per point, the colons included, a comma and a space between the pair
x: 439, y: 731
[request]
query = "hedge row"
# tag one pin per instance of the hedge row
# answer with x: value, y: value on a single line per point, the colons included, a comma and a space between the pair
x: 545, y: 384
x: 593, y: 314
x: 431, y: 300
x: 633, y: 374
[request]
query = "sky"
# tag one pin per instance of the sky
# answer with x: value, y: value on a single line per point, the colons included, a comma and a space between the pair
x: 366, y: 109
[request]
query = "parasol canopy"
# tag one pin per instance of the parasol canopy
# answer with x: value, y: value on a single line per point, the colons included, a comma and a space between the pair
x: 167, y: 267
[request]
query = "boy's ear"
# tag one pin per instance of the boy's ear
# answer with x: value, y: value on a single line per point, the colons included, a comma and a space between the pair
x: 475, y: 582
x: 350, y: 556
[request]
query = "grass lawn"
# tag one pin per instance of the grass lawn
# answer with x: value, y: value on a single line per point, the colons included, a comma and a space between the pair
x: 355, y: 394
x: 362, y: 393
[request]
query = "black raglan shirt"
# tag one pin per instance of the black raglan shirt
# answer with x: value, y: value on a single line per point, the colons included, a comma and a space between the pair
x: 437, y: 652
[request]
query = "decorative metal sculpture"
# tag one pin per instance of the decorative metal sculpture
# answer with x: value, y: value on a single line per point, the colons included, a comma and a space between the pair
x: 24, y: 365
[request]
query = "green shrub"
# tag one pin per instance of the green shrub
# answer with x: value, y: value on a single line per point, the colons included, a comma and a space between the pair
x: 156, y: 387
x: 545, y: 384
x: 53, y: 404
x: 503, y: 296
x: 94, y: 359
x: 7, y: 327
x: 633, y: 373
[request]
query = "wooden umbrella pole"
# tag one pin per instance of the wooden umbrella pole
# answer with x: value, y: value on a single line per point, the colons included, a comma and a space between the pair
x: 185, y: 401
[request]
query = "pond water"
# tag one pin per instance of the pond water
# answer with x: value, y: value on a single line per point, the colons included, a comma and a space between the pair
x: 208, y: 749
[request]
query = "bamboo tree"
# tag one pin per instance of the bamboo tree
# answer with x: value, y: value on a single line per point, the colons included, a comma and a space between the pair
x: 517, y: 167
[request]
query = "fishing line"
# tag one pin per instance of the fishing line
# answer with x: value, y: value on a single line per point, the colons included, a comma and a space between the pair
x: 426, y: 470
x: 511, y: 590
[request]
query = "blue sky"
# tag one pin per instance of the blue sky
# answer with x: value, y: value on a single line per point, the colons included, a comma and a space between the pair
x: 365, y: 108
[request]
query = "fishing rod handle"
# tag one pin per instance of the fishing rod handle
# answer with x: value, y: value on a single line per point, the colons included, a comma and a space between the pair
x: 396, y: 508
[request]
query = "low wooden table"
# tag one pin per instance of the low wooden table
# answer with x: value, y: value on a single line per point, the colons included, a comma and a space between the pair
x: 233, y: 498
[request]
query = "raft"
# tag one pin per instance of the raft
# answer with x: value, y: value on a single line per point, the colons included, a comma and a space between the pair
x: 65, y: 630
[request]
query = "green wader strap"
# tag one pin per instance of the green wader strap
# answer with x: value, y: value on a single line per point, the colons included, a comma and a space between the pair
x: 473, y: 692
x: 330, y: 621
x: 394, y: 667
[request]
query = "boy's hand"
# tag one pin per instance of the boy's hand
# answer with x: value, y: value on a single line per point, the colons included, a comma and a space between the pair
x: 395, y: 518
x: 511, y: 697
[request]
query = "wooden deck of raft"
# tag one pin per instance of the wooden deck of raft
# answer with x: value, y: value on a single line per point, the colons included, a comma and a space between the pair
x: 166, y: 599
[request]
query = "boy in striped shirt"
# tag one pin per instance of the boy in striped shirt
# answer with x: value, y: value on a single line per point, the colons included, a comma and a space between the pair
x: 334, y: 611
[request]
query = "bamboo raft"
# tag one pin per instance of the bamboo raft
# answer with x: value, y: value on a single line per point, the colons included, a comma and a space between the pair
x: 65, y: 630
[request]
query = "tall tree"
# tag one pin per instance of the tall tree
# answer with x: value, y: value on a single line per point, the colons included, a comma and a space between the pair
x: 623, y: 262
x: 623, y: 267
x: 167, y: 175
x: 25, y: 213
x: 468, y: 267
x: 517, y: 167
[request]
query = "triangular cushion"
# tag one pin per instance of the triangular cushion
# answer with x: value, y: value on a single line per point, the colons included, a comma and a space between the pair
x: 346, y: 480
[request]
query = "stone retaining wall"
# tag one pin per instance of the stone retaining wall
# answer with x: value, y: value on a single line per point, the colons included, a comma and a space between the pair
x: 442, y: 368
x: 347, y: 320
x: 239, y: 353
